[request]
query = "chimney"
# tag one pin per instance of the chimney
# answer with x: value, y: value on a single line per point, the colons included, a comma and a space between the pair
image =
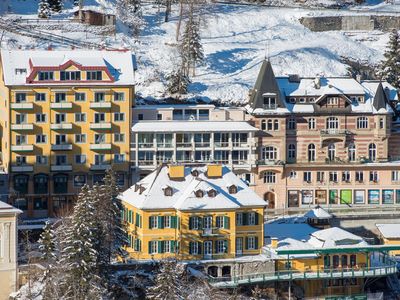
x: 176, y: 172
x: 214, y: 171
x: 359, y: 78
x: 317, y: 82
x: 274, y: 242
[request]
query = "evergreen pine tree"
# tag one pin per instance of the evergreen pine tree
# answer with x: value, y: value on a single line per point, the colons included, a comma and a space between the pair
x: 76, y: 2
x: 178, y: 82
x: 168, y: 282
x: 44, y: 9
x: 191, y: 47
x: 55, y: 5
x: 79, y: 254
x: 390, y: 66
x: 130, y: 13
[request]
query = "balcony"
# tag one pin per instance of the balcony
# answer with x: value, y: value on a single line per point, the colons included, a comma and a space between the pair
x: 22, y: 168
x: 164, y: 145
x: 100, y: 104
x: 28, y: 126
x: 145, y: 162
x: 146, y: 145
x: 334, y: 132
x: 184, y: 145
x: 22, y: 148
x: 61, y: 126
x: 210, y: 232
x: 61, y: 147
x: 241, y: 144
x: 61, y: 168
x: 267, y: 162
x: 61, y: 105
x: 221, y: 144
x: 22, y: 105
x: 100, y: 167
x: 100, y: 146
x: 105, y: 125
x: 202, y: 145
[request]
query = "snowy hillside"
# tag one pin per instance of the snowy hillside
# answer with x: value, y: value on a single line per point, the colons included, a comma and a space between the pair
x: 235, y: 39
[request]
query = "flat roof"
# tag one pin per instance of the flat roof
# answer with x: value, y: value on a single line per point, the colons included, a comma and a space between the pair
x: 390, y: 231
x: 340, y: 249
x: 191, y: 126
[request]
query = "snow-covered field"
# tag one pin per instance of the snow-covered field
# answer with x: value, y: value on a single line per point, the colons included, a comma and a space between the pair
x: 235, y: 39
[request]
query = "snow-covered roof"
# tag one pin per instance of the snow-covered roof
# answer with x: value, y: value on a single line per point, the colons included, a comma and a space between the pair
x: 389, y: 231
x: 318, y: 213
x: 120, y: 64
x: 191, y: 126
x: 184, y: 198
x: 335, y: 236
x: 7, y: 209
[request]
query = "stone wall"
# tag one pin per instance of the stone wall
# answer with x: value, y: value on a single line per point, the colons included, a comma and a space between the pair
x: 348, y: 23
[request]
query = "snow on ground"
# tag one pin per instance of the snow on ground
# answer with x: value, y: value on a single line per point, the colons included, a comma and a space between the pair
x: 236, y: 38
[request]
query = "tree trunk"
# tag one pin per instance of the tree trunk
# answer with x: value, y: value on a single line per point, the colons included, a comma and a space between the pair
x: 178, y: 27
x: 167, y: 10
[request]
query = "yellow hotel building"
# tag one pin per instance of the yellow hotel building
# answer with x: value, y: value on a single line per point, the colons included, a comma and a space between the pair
x: 193, y: 212
x: 65, y: 118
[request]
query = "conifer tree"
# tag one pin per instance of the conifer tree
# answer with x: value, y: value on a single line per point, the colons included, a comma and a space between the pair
x: 178, y: 82
x: 79, y: 254
x: 55, y: 5
x: 168, y: 282
x: 130, y: 13
x: 390, y: 67
x: 44, y: 9
x: 191, y: 47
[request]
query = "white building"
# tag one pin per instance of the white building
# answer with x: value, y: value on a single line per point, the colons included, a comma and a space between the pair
x: 8, y: 249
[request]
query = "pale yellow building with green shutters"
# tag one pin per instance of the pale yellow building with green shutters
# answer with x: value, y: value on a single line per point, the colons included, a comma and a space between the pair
x: 192, y: 213
x: 65, y: 120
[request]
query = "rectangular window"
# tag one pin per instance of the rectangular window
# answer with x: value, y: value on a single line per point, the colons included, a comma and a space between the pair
x: 41, y: 139
x: 239, y: 219
x: 99, y: 97
x: 99, y: 117
x: 60, y: 118
x: 320, y: 196
x: 359, y: 197
x: 70, y: 75
x: 373, y: 176
x: 293, y: 198
x: 307, y: 176
x: 61, y: 160
x: 167, y: 222
x: 20, y: 118
x: 387, y: 197
x: 80, y: 117
x: 80, y: 159
x: 333, y: 176
x: 119, y: 117
x: 20, y: 139
x: 219, y: 221
x: 40, y: 97
x: 346, y: 176
x: 20, y: 160
x: 61, y: 139
x: 119, y: 96
x: 153, y: 247
x: 119, y: 137
x: 359, y: 176
x: 373, y: 196
x: 345, y: 197
x: 40, y: 118
x: 41, y: 160
x: 153, y: 222
x: 320, y: 176
x: 80, y: 138
x: 79, y: 180
x: 194, y: 248
x: 251, y: 218
x: 43, y: 75
x: 94, y: 75
x: 119, y: 158
x: 194, y: 223
x: 306, y: 197
x: 251, y: 243
x: 99, y: 159
x: 80, y: 97
x: 397, y: 196
x: 221, y: 246
x: 61, y: 97
x: 20, y: 97
x: 395, y: 176
x: 99, y: 138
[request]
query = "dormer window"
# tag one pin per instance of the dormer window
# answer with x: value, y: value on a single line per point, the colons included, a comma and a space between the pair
x: 20, y: 71
x: 94, y: 75
x: 269, y: 102
x: 292, y: 100
x: 302, y: 100
x: 168, y: 191
x: 312, y: 100
x: 212, y: 193
x: 232, y: 189
x: 199, y: 194
x: 333, y: 100
x: 137, y: 186
x: 195, y: 173
x: 70, y: 75
x: 141, y: 189
x: 45, y: 75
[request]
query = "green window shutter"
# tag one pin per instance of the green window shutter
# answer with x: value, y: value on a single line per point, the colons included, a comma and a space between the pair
x: 137, y: 220
x: 226, y: 222
x: 191, y: 223
x: 191, y: 247
x: 199, y: 246
x: 140, y: 245
x: 173, y: 245
x: 178, y: 223
x: 149, y: 249
x: 122, y: 214
x: 225, y: 246
x: 246, y: 241
x: 130, y: 216
x: 200, y: 222
x: 160, y: 222
x: 256, y: 218
x: 140, y: 221
x: 256, y: 242
x: 150, y: 218
x: 174, y: 221
x: 160, y: 247
x: 245, y: 219
x: 215, y: 246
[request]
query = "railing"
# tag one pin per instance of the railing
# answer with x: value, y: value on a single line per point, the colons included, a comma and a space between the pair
x: 146, y: 145
x: 183, y: 145
x: 240, y: 144
x: 270, y: 106
x: 285, y: 275
x: 334, y: 131
x: 203, y: 144
x: 221, y: 144
x: 165, y: 145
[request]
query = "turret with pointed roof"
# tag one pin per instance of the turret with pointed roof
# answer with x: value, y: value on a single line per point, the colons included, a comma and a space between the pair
x: 265, y: 86
x: 380, y: 99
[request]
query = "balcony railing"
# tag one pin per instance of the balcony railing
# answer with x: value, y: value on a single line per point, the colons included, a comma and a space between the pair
x: 221, y: 144
x: 61, y: 126
x: 145, y: 162
x: 203, y: 144
x: 183, y: 145
x: 103, y: 104
x: 334, y: 131
x: 240, y: 144
x: 102, y: 146
x: 22, y: 105
x: 61, y: 105
x: 165, y: 145
x: 104, y: 125
x: 98, y: 167
x: 270, y: 106
x: 22, y: 168
x: 61, y: 147
x: 146, y: 145
x: 24, y: 126
x: 22, y: 148
x: 60, y: 168
x: 285, y: 275
x: 211, y: 232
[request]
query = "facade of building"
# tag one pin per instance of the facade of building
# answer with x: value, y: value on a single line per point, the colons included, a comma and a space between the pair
x: 324, y: 141
x: 8, y: 250
x: 192, y: 213
x: 192, y: 134
x: 390, y: 235
x: 65, y: 119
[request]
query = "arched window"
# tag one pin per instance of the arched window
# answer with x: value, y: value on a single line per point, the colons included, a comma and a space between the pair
x: 60, y: 183
x: 372, y: 152
x: 168, y: 191
x: 352, y: 152
x: 232, y: 189
x: 263, y: 125
x: 332, y: 123
x: 199, y: 194
x: 21, y: 183
x: 292, y: 151
x: 40, y: 184
x: 269, y: 153
x: 269, y: 125
x: 212, y: 193
x: 331, y: 152
x: 269, y: 177
x: 276, y: 125
x: 311, y: 152
x: 344, y: 261
x: 311, y: 123
x: 291, y: 123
